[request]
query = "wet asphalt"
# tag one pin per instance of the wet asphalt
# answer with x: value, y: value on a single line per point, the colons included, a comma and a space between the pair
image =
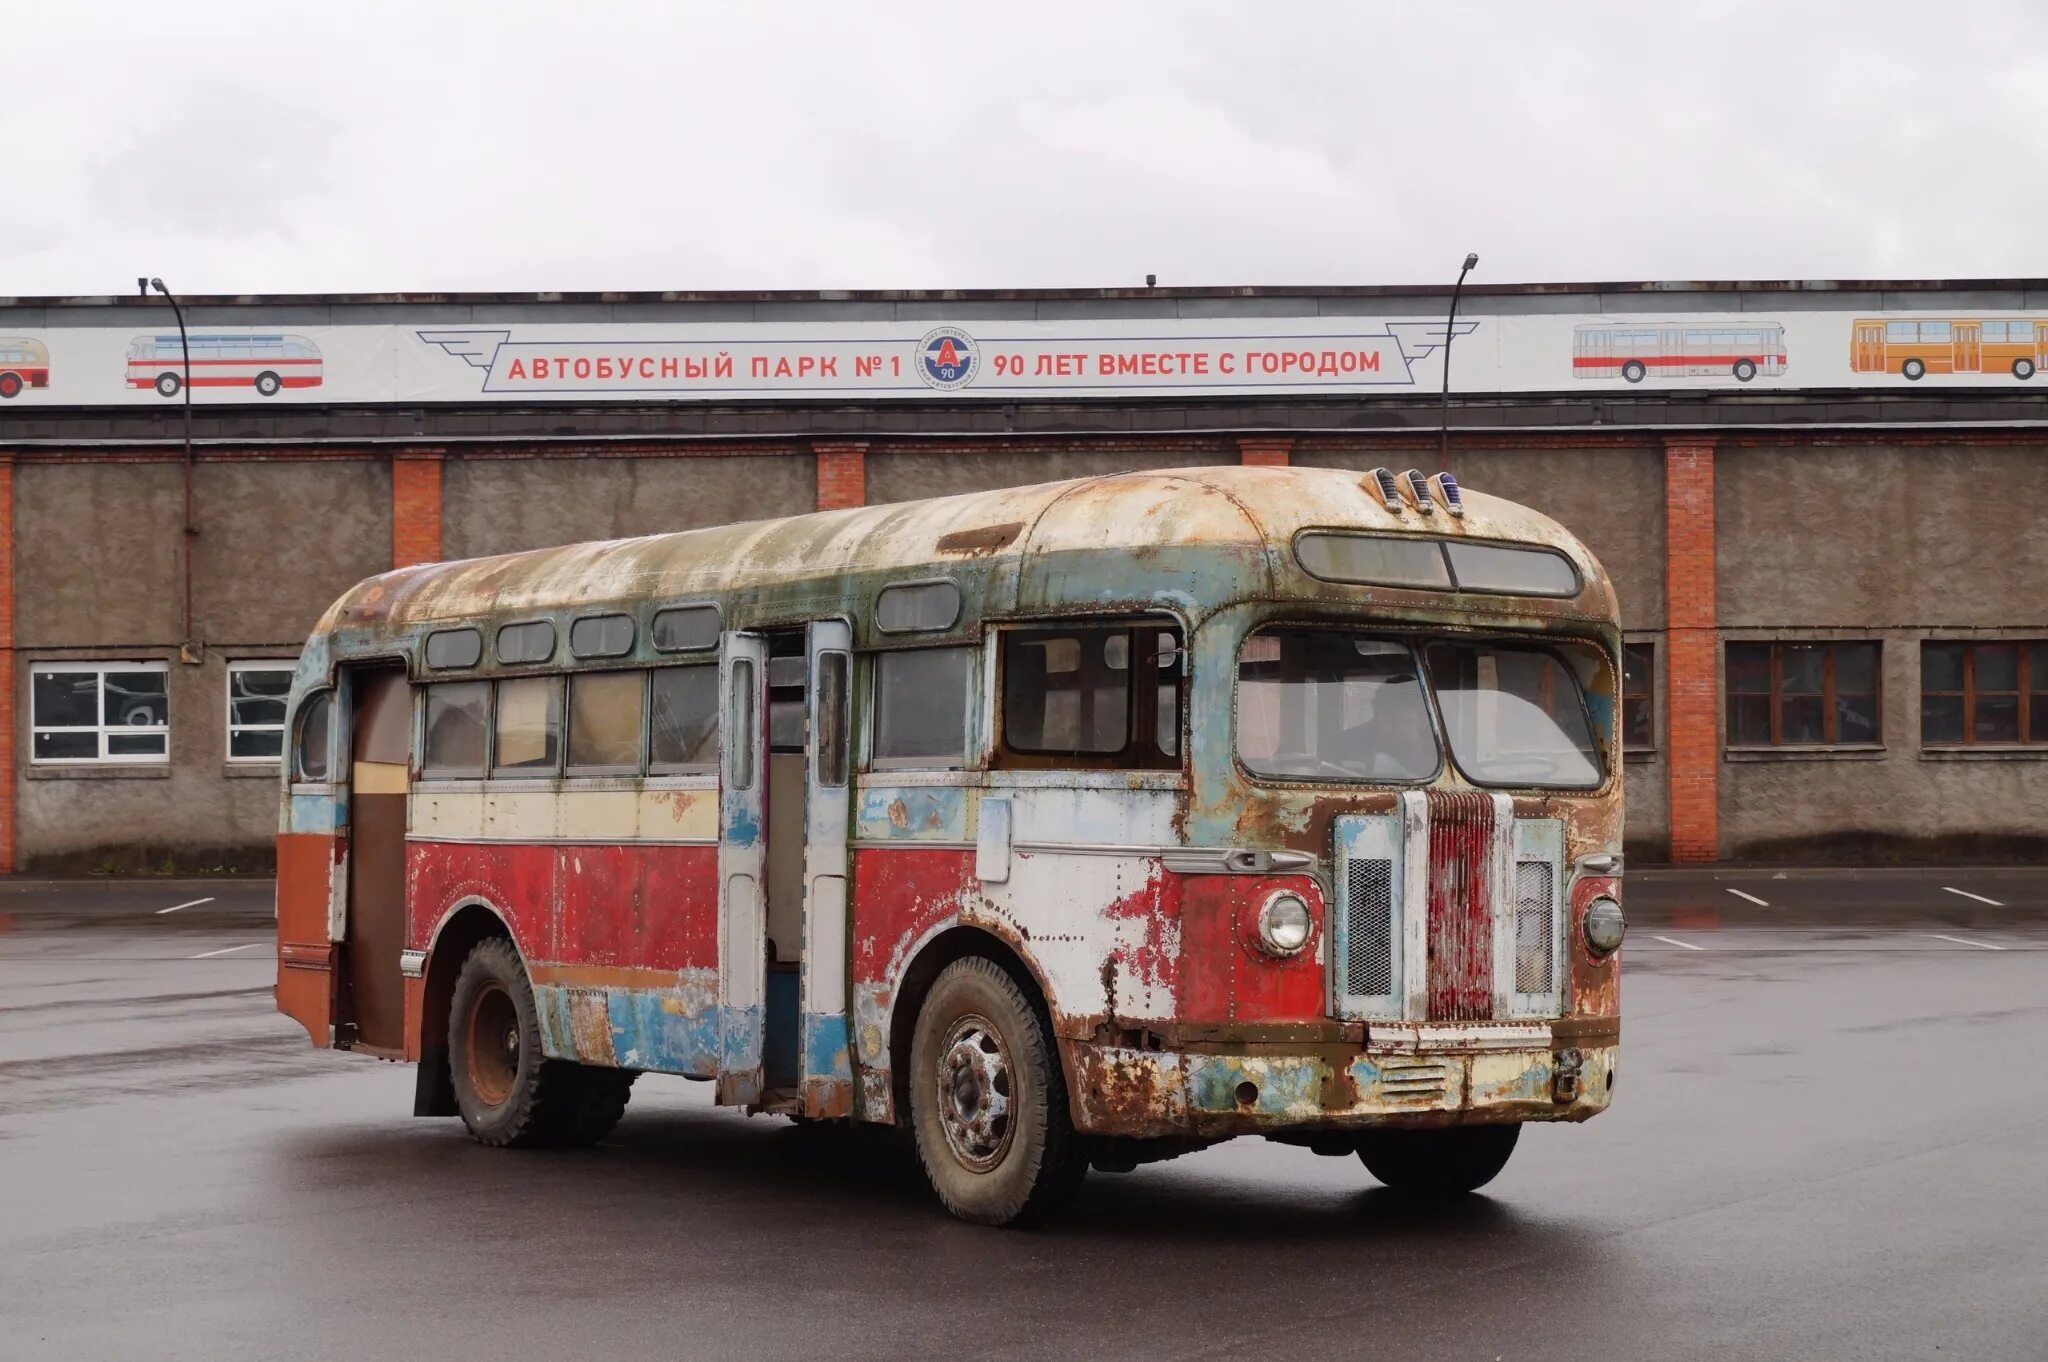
x: 1830, y: 1140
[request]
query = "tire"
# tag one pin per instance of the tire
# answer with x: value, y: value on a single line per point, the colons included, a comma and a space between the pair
x: 980, y: 1037
x: 2022, y: 369
x: 10, y: 384
x: 1447, y: 1162
x: 509, y: 1094
x: 268, y: 383
x: 1745, y: 370
x: 167, y: 385
x: 1914, y: 370
x: 1633, y: 371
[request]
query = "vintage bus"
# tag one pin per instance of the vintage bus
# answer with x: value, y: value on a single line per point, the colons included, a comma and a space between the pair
x: 1633, y: 351
x: 24, y: 363
x: 267, y: 363
x: 1073, y: 825
x: 1914, y: 347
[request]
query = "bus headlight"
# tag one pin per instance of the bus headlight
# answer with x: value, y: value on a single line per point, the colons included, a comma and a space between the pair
x: 1285, y: 924
x: 1604, y: 926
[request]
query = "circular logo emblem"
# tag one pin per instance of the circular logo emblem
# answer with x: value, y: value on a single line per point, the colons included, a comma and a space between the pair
x: 947, y: 358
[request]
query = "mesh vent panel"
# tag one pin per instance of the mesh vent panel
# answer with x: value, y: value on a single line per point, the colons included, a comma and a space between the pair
x: 1369, y: 927
x: 1534, y: 919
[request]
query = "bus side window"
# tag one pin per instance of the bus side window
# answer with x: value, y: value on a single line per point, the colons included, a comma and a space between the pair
x: 1092, y: 696
x: 454, y: 744
x: 683, y: 729
x: 920, y: 706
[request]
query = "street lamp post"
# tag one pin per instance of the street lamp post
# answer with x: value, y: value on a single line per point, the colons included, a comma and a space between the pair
x: 1443, y: 425
x: 189, y: 650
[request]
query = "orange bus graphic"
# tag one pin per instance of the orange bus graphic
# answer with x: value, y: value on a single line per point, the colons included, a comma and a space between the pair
x: 1949, y: 345
x: 24, y: 363
x: 266, y: 363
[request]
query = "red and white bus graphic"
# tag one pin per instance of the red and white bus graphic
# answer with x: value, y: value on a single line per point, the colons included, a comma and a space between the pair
x: 238, y: 360
x: 24, y: 363
x: 1632, y: 351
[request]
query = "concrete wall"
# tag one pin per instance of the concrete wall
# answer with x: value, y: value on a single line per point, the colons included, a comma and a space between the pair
x: 1897, y: 543
x: 97, y: 577
x: 507, y: 505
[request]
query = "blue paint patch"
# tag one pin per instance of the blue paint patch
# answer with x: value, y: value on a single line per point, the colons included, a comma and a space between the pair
x: 740, y: 1038
x: 743, y: 824
x: 651, y: 1030
x: 315, y: 813
x: 936, y: 813
x: 826, y: 1053
x: 1285, y: 1085
x: 557, y: 1031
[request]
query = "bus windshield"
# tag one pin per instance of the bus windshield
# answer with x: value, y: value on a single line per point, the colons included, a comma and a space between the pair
x: 1323, y: 704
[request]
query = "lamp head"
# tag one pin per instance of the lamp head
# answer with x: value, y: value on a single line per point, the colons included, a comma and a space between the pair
x: 158, y: 285
x: 1471, y: 259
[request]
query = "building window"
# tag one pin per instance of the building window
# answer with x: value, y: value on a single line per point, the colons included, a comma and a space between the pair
x: 257, y: 692
x: 1803, y: 694
x: 1983, y: 693
x: 100, y: 712
x: 1638, y: 697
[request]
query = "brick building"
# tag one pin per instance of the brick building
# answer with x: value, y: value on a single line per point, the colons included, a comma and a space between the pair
x: 1818, y: 501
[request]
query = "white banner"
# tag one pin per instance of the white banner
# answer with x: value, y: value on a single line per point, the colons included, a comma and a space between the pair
x: 545, y: 362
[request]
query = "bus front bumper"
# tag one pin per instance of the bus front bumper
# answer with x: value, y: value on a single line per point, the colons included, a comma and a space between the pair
x: 1414, y: 1076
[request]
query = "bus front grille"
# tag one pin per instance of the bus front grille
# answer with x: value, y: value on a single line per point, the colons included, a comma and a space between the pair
x: 1369, y: 916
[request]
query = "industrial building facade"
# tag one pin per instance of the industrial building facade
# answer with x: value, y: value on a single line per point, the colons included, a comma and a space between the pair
x: 1820, y: 504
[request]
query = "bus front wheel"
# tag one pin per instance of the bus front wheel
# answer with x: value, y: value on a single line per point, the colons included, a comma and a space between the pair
x: 1446, y: 1162
x: 1633, y: 371
x: 268, y: 383
x: 2023, y: 369
x: 167, y: 385
x: 1745, y: 370
x: 1913, y: 369
x: 988, y: 1106
x: 509, y: 1093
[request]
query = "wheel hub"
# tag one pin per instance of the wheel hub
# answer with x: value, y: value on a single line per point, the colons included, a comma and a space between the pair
x: 974, y: 1090
x: 493, y: 1045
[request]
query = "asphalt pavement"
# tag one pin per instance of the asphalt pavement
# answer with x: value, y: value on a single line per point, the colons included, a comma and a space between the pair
x: 1828, y: 1141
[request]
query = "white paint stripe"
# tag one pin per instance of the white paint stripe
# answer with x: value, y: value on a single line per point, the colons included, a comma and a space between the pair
x: 1751, y: 897
x: 1674, y: 941
x: 1964, y: 941
x: 1968, y: 895
x: 176, y: 906
x: 226, y: 950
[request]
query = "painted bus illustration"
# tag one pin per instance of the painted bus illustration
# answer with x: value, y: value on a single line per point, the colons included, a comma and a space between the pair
x: 266, y: 363
x: 1916, y: 347
x: 1633, y: 351
x: 24, y: 363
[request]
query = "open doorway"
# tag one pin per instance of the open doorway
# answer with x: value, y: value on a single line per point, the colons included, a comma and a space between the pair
x: 788, y: 730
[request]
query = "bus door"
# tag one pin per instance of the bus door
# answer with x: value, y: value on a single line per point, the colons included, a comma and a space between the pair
x: 742, y: 865
x: 372, y: 1000
x: 826, y: 1065
x: 1869, y: 348
x: 1969, y: 348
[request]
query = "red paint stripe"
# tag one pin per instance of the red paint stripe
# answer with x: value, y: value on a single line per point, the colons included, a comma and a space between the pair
x: 248, y: 382
x: 1460, y: 906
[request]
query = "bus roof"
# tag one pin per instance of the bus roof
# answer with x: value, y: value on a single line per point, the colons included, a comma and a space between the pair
x: 1104, y: 538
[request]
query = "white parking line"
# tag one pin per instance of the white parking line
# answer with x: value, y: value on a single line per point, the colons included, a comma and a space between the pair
x: 176, y: 906
x: 1965, y: 941
x: 1751, y: 897
x: 1968, y: 895
x: 1674, y: 941
x: 227, y: 950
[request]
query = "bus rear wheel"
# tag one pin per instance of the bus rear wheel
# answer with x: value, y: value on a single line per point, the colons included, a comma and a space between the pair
x: 2023, y: 369
x: 10, y: 384
x: 1745, y: 370
x: 167, y: 385
x: 268, y: 383
x: 1633, y: 371
x: 1913, y: 369
x: 1447, y: 1162
x: 988, y: 1106
x: 509, y: 1093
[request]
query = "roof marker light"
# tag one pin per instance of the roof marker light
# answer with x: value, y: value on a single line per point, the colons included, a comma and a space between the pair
x: 1447, y: 488
x: 1418, y: 491
x: 1382, y: 484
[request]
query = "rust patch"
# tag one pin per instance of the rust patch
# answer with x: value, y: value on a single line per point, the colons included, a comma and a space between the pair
x: 984, y: 539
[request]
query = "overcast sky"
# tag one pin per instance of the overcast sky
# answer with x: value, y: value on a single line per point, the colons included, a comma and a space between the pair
x: 565, y: 146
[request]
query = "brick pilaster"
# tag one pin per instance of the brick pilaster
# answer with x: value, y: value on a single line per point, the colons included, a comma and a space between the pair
x: 842, y: 475
x: 415, y: 508
x: 1265, y: 451
x: 1690, y: 686
x: 8, y: 775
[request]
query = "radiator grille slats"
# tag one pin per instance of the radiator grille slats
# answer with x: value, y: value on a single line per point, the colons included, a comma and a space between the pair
x: 1535, y: 922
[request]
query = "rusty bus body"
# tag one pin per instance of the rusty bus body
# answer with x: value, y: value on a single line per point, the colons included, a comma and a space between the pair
x: 1147, y: 912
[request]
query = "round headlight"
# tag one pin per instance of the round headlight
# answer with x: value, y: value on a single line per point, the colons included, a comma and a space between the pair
x: 1604, y: 926
x: 1285, y: 924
